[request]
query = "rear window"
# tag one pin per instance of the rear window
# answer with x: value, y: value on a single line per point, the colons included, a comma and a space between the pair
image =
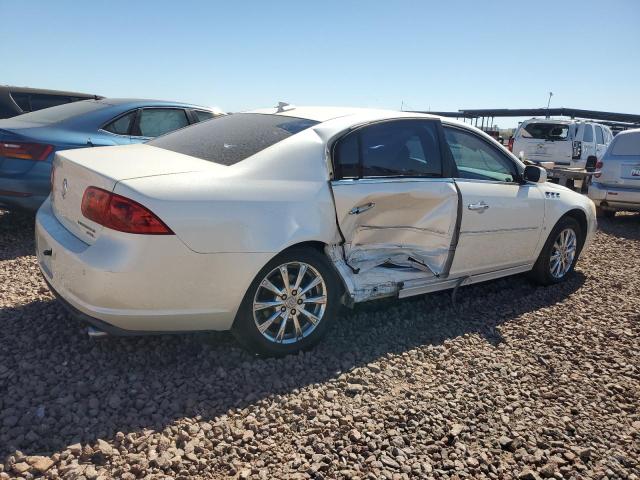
x: 62, y: 112
x: 627, y: 144
x: 546, y: 131
x: 230, y: 139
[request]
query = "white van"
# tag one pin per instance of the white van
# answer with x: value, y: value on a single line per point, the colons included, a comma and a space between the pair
x: 568, y: 143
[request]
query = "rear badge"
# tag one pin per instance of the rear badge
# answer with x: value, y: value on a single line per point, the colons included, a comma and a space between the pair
x: 65, y: 188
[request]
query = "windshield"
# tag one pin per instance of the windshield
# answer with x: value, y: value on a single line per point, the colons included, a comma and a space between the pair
x: 230, y: 139
x: 546, y: 131
x: 61, y: 112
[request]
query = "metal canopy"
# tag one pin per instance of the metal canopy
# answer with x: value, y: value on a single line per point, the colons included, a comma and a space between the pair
x: 612, y: 118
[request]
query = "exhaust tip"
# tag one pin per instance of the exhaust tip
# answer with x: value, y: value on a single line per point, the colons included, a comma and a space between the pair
x: 93, y: 332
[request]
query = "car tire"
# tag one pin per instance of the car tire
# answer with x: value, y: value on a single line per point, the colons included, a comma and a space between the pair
x: 258, y: 325
x: 565, y: 236
x: 603, y: 212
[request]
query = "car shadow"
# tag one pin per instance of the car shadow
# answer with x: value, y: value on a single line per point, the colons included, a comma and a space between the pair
x: 623, y: 225
x: 16, y: 234
x: 59, y: 387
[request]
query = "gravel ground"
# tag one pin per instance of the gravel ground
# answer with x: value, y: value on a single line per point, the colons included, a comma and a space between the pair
x: 516, y: 382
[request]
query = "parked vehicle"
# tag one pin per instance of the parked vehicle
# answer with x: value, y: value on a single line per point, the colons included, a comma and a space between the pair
x: 18, y: 100
x: 29, y: 142
x: 264, y: 222
x: 616, y: 183
x: 565, y: 142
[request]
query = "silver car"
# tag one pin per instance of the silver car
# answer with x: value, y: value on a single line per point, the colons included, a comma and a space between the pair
x: 616, y: 183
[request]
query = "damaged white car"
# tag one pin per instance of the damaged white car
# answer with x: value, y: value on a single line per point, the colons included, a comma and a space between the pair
x: 265, y: 222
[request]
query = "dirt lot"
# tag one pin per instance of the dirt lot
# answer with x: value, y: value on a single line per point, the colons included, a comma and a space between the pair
x: 519, y: 381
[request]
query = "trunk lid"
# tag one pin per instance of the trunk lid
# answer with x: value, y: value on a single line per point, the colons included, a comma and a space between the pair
x: 104, y: 167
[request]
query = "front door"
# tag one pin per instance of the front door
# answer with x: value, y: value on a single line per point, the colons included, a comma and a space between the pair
x: 395, y: 203
x: 501, y: 218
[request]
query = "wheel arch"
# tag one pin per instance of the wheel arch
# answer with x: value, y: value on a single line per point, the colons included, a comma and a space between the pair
x: 579, y: 216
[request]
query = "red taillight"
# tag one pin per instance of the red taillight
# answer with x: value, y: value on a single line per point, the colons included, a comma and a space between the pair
x: 25, y: 151
x: 510, y: 144
x: 598, y: 171
x: 120, y: 213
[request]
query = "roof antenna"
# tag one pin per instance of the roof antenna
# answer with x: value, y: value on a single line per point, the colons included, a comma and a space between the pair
x: 281, y: 107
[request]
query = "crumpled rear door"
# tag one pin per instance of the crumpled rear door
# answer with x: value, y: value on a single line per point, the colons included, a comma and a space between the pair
x: 402, y: 221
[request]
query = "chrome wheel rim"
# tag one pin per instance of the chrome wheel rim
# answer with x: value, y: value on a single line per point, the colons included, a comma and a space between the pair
x: 563, y: 253
x: 290, y: 302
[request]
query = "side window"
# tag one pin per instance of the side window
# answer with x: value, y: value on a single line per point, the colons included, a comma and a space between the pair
x: 22, y: 99
x: 587, y: 136
x: 401, y: 148
x: 599, y: 135
x: 38, y: 101
x: 476, y: 159
x: 122, y: 125
x: 158, y: 121
x: 202, y: 115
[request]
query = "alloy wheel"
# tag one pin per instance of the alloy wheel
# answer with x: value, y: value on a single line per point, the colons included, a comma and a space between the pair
x: 563, y: 253
x: 290, y: 302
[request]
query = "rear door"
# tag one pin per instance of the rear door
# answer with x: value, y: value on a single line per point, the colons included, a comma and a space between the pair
x: 601, y: 144
x: 544, y: 142
x: 588, y: 142
x: 396, y: 202
x: 501, y: 218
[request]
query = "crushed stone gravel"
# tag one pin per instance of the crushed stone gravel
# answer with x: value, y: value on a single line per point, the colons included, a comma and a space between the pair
x: 516, y: 381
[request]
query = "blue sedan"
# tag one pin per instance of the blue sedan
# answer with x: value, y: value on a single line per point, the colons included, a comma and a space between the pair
x: 28, y: 142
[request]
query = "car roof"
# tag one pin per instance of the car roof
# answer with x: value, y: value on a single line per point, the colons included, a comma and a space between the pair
x: 45, y: 91
x: 324, y: 114
x: 133, y: 102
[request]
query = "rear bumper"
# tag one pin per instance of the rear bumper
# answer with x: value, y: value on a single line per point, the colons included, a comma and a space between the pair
x: 27, y: 191
x: 614, y: 198
x: 135, y: 284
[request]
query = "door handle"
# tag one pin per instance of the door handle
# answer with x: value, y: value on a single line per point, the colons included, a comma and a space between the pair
x: 361, y: 208
x: 478, y: 207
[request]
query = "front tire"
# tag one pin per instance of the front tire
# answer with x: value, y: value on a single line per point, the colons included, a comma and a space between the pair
x: 289, y: 305
x: 560, y: 253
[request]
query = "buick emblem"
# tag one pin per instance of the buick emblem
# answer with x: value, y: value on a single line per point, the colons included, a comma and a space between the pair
x: 65, y: 188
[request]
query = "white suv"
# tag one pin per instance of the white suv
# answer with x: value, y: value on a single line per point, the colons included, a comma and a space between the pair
x: 566, y: 142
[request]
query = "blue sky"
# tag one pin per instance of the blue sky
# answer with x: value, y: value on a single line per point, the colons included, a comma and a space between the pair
x: 438, y: 55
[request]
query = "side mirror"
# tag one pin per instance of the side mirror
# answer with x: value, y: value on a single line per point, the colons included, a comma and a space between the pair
x: 534, y: 174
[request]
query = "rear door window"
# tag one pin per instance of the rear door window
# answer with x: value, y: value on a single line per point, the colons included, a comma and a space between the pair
x: 400, y: 148
x: 232, y: 138
x: 202, y: 115
x: 158, y: 121
x: 122, y: 125
x: 599, y: 135
x: 587, y: 135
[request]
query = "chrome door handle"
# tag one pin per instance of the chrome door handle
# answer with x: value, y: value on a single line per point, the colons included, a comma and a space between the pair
x: 478, y: 207
x: 361, y: 208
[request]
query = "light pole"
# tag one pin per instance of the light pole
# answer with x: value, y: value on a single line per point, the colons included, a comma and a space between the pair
x: 549, y: 103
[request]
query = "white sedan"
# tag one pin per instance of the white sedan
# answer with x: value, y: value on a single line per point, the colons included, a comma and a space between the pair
x: 265, y: 222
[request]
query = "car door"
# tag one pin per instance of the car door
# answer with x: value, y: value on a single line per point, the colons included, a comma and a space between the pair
x: 155, y: 121
x: 502, y: 218
x: 396, y: 202
x: 600, y: 141
x: 588, y: 142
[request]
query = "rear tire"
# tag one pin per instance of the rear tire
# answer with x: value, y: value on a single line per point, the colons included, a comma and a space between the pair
x: 560, y: 253
x: 306, y: 305
x: 603, y: 212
